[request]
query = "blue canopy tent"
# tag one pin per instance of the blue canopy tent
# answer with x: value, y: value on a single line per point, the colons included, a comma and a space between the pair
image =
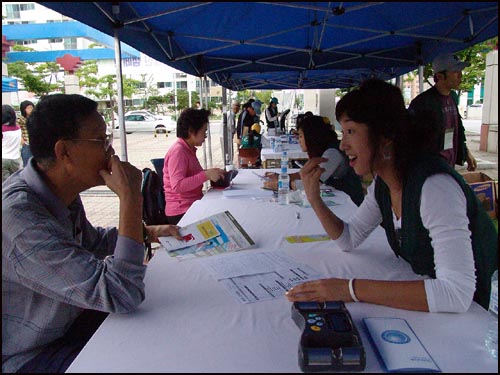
x: 9, y: 84
x: 289, y: 45
x: 223, y: 39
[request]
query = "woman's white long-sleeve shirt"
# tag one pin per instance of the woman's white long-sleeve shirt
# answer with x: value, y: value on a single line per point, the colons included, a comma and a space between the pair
x: 443, y: 209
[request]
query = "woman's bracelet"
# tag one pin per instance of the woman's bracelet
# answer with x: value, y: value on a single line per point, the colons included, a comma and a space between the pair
x: 351, y: 290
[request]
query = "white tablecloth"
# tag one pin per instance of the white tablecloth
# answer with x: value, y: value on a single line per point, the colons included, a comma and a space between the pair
x: 189, y: 322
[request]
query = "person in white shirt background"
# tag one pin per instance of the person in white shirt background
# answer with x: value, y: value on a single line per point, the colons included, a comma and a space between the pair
x: 11, y: 142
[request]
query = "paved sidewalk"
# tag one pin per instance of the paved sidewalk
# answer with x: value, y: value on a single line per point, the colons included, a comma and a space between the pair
x: 102, y: 204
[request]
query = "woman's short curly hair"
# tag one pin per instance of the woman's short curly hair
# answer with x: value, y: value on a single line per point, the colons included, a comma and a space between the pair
x: 191, y: 119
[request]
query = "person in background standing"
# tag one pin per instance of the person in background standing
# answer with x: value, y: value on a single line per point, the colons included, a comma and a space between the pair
x: 241, y: 119
x: 443, y: 102
x: 271, y: 114
x: 26, y: 107
x: 11, y: 142
x: 231, y: 124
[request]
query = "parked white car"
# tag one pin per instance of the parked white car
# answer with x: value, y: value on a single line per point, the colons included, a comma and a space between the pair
x: 167, y: 119
x: 145, y: 123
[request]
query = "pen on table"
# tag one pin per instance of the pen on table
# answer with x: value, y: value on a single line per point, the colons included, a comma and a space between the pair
x: 261, y: 177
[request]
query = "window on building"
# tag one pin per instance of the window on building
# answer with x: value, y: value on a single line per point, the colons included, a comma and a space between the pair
x: 163, y: 85
x: 26, y: 42
x: 70, y: 43
x: 29, y: 6
x: 140, y: 85
x: 56, y: 40
x: 182, y: 85
x: 12, y: 11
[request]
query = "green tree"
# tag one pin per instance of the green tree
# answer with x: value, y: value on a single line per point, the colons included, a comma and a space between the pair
x: 104, y: 88
x: 39, y: 79
x: 263, y: 95
x: 148, y: 89
x: 155, y: 102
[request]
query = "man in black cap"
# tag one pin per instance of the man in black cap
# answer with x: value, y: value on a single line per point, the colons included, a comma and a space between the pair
x: 442, y: 101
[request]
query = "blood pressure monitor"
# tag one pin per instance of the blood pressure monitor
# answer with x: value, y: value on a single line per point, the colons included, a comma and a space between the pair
x: 330, y: 340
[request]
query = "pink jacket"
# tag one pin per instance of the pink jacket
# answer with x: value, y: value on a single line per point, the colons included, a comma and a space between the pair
x: 183, y: 178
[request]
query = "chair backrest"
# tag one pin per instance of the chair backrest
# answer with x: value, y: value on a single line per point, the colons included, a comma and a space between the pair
x: 153, y: 212
x: 249, y: 157
x: 283, y: 119
x: 158, y: 164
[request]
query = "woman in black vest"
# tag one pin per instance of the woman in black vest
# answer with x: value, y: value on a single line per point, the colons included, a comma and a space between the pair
x: 431, y: 217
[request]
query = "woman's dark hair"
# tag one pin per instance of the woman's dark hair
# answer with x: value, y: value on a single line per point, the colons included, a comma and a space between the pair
x: 300, y: 117
x: 8, y: 115
x: 381, y: 107
x: 191, y: 119
x: 317, y: 134
x: 23, y: 105
x: 56, y: 117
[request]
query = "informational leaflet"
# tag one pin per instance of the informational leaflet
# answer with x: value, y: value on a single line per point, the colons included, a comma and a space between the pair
x: 222, y: 232
x: 191, y: 235
x: 253, y: 277
x: 398, y: 345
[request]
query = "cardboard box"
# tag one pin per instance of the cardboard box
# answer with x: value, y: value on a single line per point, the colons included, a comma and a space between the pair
x: 486, y: 189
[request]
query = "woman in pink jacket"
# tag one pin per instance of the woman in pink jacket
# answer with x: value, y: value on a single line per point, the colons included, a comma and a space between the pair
x: 183, y: 175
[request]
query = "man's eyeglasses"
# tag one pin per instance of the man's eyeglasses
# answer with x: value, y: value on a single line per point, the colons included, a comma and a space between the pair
x: 108, y: 141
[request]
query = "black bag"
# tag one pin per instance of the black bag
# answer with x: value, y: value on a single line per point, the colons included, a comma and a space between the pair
x: 153, y: 209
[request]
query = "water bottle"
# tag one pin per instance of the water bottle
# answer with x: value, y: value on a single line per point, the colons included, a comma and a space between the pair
x: 491, y: 340
x: 284, y: 162
x: 283, y: 180
x: 278, y: 145
x: 283, y: 188
x: 273, y: 144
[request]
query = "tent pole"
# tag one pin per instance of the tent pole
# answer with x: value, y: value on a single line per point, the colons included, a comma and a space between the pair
x: 202, y: 92
x: 209, y: 134
x: 420, y: 79
x: 226, y: 134
x: 119, y: 85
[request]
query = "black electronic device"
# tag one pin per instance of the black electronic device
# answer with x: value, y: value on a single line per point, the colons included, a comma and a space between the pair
x: 225, y: 181
x: 330, y: 340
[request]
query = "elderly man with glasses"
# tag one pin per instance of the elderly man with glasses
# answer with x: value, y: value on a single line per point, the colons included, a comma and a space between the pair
x: 61, y: 276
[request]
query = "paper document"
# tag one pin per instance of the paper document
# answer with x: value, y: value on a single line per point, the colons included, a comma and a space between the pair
x: 265, y: 286
x: 229, y: 236
x: 192, y: 234
x: 253, y: 277
x: 247, y: 263
x: 247, y: 193
x: 398, y: 346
